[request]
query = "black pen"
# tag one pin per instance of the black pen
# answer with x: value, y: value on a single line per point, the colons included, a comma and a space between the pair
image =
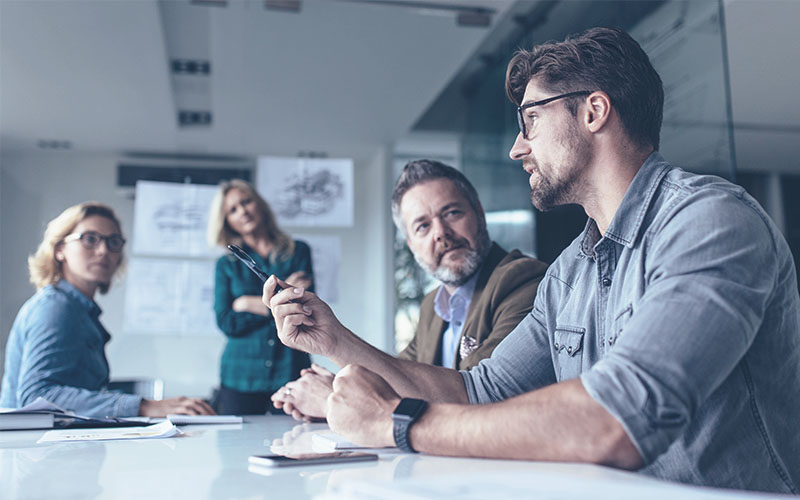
x: 251, y: 264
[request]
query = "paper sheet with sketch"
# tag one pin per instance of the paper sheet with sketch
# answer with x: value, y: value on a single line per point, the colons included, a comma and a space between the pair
x: 308, y: 191
x: 171, y: 219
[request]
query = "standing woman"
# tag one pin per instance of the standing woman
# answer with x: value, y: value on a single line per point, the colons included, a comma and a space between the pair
x: 56, y: 348
x: 255, y: 363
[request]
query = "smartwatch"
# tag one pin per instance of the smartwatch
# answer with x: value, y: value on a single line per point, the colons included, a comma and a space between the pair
x: 407, y: 412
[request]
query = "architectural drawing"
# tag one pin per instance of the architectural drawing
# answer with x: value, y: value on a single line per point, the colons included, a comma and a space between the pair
x: 308, y: 191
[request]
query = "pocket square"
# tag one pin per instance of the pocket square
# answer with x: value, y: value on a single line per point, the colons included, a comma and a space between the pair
x: 468, y: 346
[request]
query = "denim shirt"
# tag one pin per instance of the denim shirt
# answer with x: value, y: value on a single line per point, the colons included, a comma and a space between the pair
x: 56, y: 350
x: 683, y: 322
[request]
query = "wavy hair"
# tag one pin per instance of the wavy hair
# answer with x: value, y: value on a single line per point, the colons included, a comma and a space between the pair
x: 43, y: 267
x: 220, y: 232
x: 606, y: 59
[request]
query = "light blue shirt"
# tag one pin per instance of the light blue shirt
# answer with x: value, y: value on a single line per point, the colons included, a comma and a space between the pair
x: 453, y: 309
x: 56, y: 350
x: 683, y: 322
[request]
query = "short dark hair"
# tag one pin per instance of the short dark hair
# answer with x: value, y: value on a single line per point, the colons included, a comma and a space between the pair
x: 606, y: 59
x: 420, y: 171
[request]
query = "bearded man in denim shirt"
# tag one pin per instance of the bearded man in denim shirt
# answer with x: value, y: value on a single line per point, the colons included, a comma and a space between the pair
x: 665, y: 338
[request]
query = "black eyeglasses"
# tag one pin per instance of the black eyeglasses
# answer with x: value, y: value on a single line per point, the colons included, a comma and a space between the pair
x: 526, y: 122
x: 90, y: 240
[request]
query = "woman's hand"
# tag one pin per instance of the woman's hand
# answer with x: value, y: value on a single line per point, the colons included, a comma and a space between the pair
x: 181, y: 406
x: 299, y: 279
x: 251, y: 304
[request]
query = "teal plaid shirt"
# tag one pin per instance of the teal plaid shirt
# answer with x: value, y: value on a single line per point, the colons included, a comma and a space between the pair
x: 254, y: 359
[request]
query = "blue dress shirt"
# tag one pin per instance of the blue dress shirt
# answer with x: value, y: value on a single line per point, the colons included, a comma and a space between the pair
x: 453, y: 309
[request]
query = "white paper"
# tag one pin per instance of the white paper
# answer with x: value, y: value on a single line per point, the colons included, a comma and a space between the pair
x: 171, y: 219
x: 326, y: 255
x: 169, y: 296
x: 162, y: 430
x: 308, y: 191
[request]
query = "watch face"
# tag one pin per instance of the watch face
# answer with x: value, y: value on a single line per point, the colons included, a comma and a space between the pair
x: 409, y: 408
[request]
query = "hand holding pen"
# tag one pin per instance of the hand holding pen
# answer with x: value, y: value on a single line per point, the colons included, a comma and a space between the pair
x: 304, y: 321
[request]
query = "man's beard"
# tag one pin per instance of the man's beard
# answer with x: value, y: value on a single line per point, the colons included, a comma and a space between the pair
x: 469, y: 264
x: 553, y: 191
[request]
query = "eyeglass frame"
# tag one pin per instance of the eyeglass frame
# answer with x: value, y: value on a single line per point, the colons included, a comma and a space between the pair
x: 521, y: 108
x: 106, y: 239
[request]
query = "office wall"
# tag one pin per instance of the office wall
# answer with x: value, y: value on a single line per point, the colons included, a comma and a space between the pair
x: 36, y: 185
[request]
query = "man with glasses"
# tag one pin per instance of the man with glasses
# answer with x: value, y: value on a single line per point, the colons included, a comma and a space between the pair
x: 665, y: 338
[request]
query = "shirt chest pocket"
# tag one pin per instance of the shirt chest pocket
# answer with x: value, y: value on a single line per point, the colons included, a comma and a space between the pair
x: 568, y: 345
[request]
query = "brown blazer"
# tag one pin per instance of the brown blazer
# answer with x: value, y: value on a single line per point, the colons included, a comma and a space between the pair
x: 503, y: 295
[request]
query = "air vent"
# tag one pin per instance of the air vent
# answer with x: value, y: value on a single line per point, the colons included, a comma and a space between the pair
x: 129, y: 173
x: 194, y: 118
x: 190, y: 67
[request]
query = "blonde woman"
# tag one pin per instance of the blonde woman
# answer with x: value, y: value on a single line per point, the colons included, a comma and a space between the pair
x: 56, y: 348
x: 255, y: 363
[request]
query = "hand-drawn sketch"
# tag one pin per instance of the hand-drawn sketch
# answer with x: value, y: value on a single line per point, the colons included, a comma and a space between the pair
x: 308, y: 191
x: 170, y: 296
x: 326, y: 254
x: 171, y: 219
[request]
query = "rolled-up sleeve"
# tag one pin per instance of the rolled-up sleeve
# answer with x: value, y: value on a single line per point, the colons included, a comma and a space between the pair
x: 707, y: 285
x: 520, y: 363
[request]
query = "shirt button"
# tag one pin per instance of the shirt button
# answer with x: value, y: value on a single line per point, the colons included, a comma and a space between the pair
x: 569, y: 350
x: 271, y: 342
x: 268, y: 363
x: 458, y: 323
x: 606, y: 281
x: 555, y: 344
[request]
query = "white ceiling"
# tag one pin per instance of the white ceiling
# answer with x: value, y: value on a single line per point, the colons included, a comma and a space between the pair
x: 340, y: 78
x: 337, y: 77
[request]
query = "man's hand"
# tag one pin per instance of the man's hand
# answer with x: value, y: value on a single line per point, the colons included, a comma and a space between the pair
x: 306, y: 398
x: 360, y: 407
x: 304, y: 321
x: 181, y: 406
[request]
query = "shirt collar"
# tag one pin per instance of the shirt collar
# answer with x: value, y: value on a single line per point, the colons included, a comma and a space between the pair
x: 69, y: 289
x: 443, y: 300
x: 627, y: 222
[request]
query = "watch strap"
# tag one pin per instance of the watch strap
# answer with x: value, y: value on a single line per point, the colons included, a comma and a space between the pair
x: 402, y: 425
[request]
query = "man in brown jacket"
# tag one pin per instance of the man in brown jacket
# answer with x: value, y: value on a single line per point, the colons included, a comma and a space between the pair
x: 485, y: 291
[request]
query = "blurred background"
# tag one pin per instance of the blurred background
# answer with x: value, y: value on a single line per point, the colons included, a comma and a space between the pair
x: 97, y: 95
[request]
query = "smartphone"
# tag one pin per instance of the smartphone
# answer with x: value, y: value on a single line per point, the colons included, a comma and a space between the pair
x: 311, y: 459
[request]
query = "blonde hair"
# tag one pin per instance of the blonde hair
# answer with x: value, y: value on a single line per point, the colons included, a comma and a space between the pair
x: 43, y: 267
x: 220, y: 232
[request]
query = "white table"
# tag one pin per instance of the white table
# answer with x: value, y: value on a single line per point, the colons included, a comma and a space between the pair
x: 210, y: 462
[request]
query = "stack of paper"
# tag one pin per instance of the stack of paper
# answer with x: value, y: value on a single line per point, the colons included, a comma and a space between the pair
x: 41, y: 414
